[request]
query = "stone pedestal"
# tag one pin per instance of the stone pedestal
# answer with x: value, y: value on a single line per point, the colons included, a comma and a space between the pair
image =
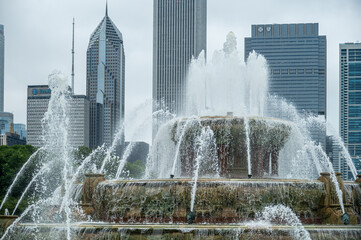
x: 90, y: 183
x: 358, y: 180
x: 331, y: 211
x: 5, y: 222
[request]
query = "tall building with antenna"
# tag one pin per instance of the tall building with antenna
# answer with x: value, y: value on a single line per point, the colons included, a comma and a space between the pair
x: 105, y: 82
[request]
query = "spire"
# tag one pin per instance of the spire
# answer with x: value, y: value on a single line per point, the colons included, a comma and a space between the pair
x: 106, y: 8
x: 72, y: 61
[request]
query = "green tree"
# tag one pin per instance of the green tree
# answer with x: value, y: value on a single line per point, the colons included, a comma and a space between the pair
x: 11, y: 160
x: 135, y: 169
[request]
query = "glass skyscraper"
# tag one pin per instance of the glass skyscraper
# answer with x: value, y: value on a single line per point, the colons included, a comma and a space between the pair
x: 2, y: 56
x: 105, y: 82
x: 350, y: 99
x: 296, y: 55
x: 179, y: 33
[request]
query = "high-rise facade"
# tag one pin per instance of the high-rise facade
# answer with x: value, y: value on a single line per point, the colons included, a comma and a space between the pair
x: 105, y: 82
x: 6, y: 119
x: 179, y: 34
x: 37, y: 105
x: 2, y: 57
x: 296, y: 55
x: 350, y: 99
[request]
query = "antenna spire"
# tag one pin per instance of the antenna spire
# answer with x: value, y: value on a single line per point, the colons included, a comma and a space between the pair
x: 72, y: 62
x: 106, y: 8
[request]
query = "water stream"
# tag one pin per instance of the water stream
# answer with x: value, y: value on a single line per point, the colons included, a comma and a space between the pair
x: 204, y: 144
x: 248, y: 144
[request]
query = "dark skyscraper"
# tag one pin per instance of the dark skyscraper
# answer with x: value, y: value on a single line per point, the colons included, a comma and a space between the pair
x: 179, y: 33
x: 105, y: 82
x: 2, y: 55
x: 296, y: 55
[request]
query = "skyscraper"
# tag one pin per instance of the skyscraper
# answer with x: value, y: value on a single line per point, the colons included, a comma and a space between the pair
x: 179, y: 33
x: 37, y: 105
x: 296, y: 55
x: 350, y: 99
x: 2, y: 54
x: 105, y: 81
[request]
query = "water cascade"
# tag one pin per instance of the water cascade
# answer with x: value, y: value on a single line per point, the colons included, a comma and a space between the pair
x: 249, y: 164
x: 204, y: 147
x: 19, y: 174
x: 209, y: 154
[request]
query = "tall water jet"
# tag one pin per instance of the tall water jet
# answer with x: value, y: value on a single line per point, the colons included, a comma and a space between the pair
x: 248, y: 144
x: 226, y: 84
x: 204, y: 148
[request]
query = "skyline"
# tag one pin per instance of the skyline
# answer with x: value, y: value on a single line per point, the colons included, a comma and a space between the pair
x: 52, y: 42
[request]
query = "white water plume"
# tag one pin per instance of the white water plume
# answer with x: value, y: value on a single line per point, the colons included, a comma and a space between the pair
x: 180, y: 136
x: 280, y: 214
x: 204, y: 147
x: 227, y: 84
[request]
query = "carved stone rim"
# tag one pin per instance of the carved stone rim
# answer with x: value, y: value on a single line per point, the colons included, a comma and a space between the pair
x: 94, y: 175
x: 8, y: 216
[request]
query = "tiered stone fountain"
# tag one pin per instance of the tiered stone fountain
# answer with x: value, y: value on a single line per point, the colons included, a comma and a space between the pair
x: 225, y: 206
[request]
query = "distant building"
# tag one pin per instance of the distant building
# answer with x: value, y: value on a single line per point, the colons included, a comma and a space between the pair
x: 350, y: 99
x: 2, y: 57
x: 20, y: 129
x: 296, y: 55
x: 6, y: 119
x: 105, y: 82
x: 180, y: 32
x: 37, y: 105
x: 10, y: 139
x: 334, y: 152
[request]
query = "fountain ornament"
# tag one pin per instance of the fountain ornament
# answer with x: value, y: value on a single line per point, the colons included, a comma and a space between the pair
x: 238, y: 164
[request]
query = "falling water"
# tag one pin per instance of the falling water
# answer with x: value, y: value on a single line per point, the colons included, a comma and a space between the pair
x: 270, y: 165
x: 110, y: 150
x: 248, y: 144
x: 280, y: 214
x: 184, y: 128
x: 55, y: 166
x: 122, y: 162
x: 227, y: 84
x: 19, y: 174
x: 332, y: 176
x: 345, y: 153
x: 203, y: 144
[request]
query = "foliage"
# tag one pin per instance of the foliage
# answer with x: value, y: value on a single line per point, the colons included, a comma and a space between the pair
x: 80, y: 154
x: 135, y: 169
x: 11, y: 160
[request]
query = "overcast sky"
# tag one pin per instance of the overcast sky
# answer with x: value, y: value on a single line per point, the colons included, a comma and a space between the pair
x: 38, y: 39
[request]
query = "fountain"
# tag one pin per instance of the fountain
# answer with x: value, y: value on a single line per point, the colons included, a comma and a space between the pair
x: 240, y: 164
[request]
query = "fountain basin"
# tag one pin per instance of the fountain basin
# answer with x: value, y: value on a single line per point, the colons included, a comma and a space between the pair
x: 241, y: 231
x: 217, y: 200
x: 267, y: 136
